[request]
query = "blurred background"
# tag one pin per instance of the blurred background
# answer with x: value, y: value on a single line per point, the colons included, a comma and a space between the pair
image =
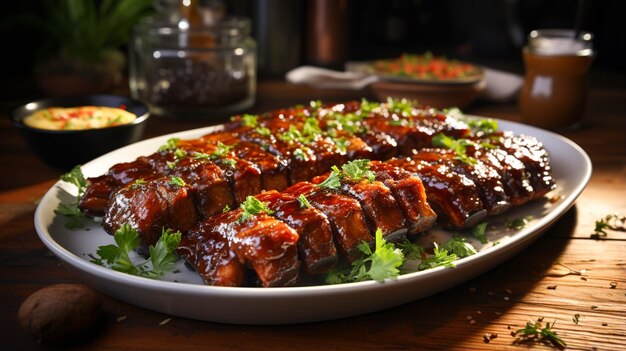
x: 328, y: 33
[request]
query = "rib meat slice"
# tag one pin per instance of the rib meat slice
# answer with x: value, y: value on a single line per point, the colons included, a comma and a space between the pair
x: 344, y: 214
x: 208, y: 251
x: 266, y: 244
x: 487, y: 179
x: 379, y: 206
x: 316, y: 246
x: 453, y: 196
x: 150, y: 207
x: 409, y: 192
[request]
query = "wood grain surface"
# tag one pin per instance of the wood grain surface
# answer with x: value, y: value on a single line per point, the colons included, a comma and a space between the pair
x: 566, y: 273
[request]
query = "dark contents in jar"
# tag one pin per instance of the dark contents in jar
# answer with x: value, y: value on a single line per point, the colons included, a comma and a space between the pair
x: 196, y: 84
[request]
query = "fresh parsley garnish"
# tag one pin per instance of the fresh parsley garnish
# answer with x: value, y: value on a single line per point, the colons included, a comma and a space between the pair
x: 252, y: 207
x: 304, y: 203
x: 380, y: 264
x: 440, y: 257
x: 248, y: 120
x: 535, y: 331
x: 482, y: 126
x: 333, y: 181
x: 401, y: 106
x: 459, y: 247
x: 221, y: 150
x: 74, y: 215
x: 162, y: 254
x: 459, y: 146
x: 138, y: 183
x: 358, y: 169
x: 479, y: 232
x: 170, y: 144
x: 263, y: 131
x: 177, y: 181
x: 354, y: 170
x: 518, y: 223
x: 611, y: 221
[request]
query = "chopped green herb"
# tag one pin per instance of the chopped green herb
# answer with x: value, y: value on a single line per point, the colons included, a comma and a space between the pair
x: 518, y: 223
x: 263, y: 131
x: 459, y: 146
x: 411, y: 251
x: 300, y: 154
x: 177, y: 181
x: 162, y: 254
x: 179, y: 153
x: 333, y: 181
x: 249, y: 120
x: 229, y: 162
x: 311, y: 127
x: 358, y: 169
x: 380, y: 264
x: 201, y: 156
x: 354, y: 170
x: 226, y: 209
x: 341, y: 144
x: 459, y: 247
x: 138, y: 183
x: 170, y: 144
x: 483, y: 126
x: 402, y: 106
x: 253, y: 206
x: 171, y: 164
x: 368, y: 106
x: 535, y: 331
x: 304, y: 203
x: 611, y: 221
x: 440, y: 257
x: 479, y: 232
x: 221, y: 151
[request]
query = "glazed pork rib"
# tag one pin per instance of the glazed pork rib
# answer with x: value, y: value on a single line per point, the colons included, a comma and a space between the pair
x: 187, y: 184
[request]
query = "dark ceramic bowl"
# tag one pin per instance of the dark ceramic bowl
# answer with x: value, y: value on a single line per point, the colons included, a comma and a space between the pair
x: 64, y: 149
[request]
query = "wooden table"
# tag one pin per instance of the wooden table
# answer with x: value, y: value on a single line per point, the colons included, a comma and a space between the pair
x: 532, y: 285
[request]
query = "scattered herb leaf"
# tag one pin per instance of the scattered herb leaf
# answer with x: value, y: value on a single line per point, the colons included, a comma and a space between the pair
x: 251, y: 207
x: 380, y: 264
x: 440, y: 257
x: 459, y: 247
x: 535, y: 331
x: 162, y: 254
x: 479, y: 232
x: 304, y: 203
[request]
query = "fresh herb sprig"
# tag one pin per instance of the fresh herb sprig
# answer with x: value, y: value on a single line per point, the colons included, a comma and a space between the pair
x: 355, y: 170
x: 459, y: 247
x: 74, y: 215
x: 378, y: 264
x: 440, y: 257
x: 612, y: 222
x: 252, y: 207
x: 116, y: 256
x: 536, y: 331
x: 459, y: 146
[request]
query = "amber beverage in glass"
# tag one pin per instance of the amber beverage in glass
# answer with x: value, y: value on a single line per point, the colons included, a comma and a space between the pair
x: 555, y: 84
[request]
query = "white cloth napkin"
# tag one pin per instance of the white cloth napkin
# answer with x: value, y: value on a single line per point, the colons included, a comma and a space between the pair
x: 501, y: 86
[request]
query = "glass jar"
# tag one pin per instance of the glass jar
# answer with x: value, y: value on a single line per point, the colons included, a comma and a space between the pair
x: 195, y: 72
x: 555, y: 83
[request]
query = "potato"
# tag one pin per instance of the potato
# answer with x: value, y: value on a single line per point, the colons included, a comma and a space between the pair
x: 60, y: 314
